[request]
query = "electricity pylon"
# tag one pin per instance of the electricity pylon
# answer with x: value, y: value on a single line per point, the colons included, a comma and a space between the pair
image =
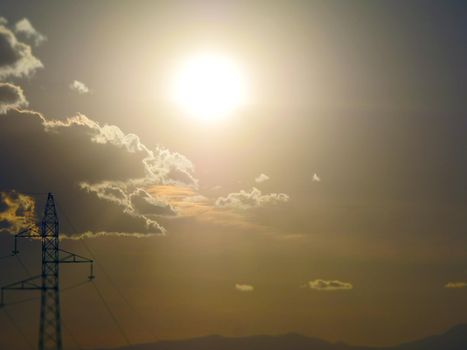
x: 48, y: 282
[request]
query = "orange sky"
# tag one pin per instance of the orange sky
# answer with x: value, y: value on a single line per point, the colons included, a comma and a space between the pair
x: 331, y: 204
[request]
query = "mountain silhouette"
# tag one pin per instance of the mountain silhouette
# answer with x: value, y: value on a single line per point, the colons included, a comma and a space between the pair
x: 454, y: 339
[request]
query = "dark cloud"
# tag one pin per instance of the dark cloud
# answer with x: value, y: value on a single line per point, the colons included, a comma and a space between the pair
x: 16, y: 58
x: 98, y: 173
x: 11, y: 96
x: 4, y: 225
x: 3, y: 205
x: 146, y: 204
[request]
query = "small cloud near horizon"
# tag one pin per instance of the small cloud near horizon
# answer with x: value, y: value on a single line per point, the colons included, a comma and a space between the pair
x: 332, y: 285
x: 455, y: 285
x: 244, y: 287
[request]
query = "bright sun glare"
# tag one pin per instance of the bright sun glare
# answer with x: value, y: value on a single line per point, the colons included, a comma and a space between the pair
x: 209, y: 86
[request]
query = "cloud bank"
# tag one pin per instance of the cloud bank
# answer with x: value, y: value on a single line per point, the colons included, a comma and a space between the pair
x: 97, y: 172
x: 254, y: 199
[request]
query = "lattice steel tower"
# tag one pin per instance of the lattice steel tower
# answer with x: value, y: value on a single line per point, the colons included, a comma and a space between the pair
x: 50, y: 333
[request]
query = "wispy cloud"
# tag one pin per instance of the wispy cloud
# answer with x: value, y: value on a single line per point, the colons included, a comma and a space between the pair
x: 79, y: 87
x: 328, y: 285
x: 25, y: 28
x: 261, y: 178
x: 244, y: 287
x: 316, y: 178
x: 11, y: 96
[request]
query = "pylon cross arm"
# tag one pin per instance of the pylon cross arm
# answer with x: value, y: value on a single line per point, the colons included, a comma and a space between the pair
x: 30, y: 232
x: 31, y: 283
x: 28, y: 283
x: 70, y: 257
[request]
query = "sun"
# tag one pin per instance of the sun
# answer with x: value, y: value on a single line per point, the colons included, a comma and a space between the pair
x: 209, y: 86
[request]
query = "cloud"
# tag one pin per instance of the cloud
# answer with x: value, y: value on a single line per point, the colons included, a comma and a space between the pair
x: 316, y: 178
x: 456, y: 285
x: 244, y: 287
x: 16, y: 58
x: 79, y: 87
x: 253, y: 199
x: 11, y: 96
x: 323, y: 285
x: 16, y: 211
x: 144, y: 203
x: 188, y: 203
x: 98, y: 173
x: 25, y: 28
x: 261, y: 178
x: 134, y: 200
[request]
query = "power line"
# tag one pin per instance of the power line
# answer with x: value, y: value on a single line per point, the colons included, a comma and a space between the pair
x: 6, y: 256
x: 114, y: 318
x: 22, y: 301
x: 23, y: 265
x: 18, y: 329
x: 117, y: 289
x: 101, y: 297
x: 50, y: 336
x: 76, y: 285
x: 107, y: 275
x: 72, y: 337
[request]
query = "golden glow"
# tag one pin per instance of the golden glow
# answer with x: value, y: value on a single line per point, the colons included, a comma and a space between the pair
x: 209, y: 86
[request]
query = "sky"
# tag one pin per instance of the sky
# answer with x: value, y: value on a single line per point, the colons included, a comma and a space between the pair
x: 331, y: 202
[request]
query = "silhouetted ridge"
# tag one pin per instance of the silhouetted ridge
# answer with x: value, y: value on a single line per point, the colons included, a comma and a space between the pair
x: 454, y: 339
x: 460, y: 330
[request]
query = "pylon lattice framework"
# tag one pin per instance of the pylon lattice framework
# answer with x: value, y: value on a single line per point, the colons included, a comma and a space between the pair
x: 48, y: 282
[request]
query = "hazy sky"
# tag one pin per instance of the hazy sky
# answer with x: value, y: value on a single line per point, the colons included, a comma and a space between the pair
x: 332, y: 203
